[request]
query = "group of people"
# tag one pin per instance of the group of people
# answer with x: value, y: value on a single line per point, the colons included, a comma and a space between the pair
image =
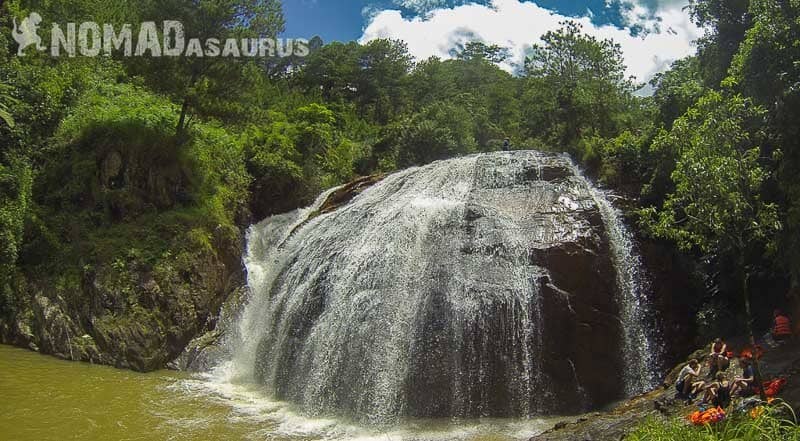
x: 717, y: 389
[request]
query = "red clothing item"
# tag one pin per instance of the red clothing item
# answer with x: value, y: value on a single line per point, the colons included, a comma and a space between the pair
x: 783, y: 326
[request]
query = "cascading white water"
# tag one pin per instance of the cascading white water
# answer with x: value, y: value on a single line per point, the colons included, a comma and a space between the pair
x: 430, y: 294
x: 640, y: 349
x: 262, y: 260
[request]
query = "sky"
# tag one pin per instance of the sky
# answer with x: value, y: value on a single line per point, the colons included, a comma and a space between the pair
x: 652, y: 33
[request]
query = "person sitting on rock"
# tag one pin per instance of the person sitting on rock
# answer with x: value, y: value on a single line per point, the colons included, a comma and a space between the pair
x: 744, y: 385
x: 686, y: 379
x: 718, y: 358
x: 782, y: 326
x: 718, y: 392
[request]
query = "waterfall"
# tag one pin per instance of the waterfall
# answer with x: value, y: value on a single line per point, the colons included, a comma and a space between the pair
x: 640, y: 348
x: 262, y: 260
x: 473, y: 286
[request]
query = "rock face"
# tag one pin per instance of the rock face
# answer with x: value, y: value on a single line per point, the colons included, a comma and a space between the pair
x: 479, y: 286
x: 675, y: 293
x: 208, y: 349
x: 138, y: 318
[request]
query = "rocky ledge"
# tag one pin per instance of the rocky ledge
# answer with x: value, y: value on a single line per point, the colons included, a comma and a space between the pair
x: 622, y: 418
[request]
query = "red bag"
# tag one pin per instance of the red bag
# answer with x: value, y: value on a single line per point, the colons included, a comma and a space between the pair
x: 773, y: 387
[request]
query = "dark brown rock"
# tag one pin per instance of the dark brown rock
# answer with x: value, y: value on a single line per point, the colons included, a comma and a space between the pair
x: 349, y: 191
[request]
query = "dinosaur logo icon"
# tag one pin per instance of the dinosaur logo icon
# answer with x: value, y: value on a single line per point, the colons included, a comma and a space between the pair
x: 26, y: 34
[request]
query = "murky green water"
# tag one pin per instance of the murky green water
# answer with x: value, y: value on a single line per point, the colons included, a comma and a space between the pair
x: 42, y: 398
x: 48, y: 399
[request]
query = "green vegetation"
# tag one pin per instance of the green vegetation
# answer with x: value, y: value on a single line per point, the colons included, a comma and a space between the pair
x: 135, y: 164
x: 717, y: 204
x: 5, y: 101
x: 777, y: 423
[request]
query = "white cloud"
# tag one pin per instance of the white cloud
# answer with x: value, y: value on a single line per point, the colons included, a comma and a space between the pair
x: 517, y: 24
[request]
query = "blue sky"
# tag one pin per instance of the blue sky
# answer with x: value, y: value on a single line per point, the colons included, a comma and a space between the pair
x: 652, y: 33
x: 330, y: 19
x: 344, y: 20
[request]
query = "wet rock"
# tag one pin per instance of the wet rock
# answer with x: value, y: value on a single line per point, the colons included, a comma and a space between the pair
x: 342, y: 197
x: 205, y: 350
x: 582, y: 333
x: 677, y: 290
x: 349, y: 191
x: 613, y: 425
x: 784, y: 362
x: 57, y: 328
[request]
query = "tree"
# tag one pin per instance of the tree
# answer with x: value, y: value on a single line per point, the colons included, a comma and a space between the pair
x: 473, y: 82
x: 717, y: 206
x: 570, y: 56
x: 275, y: 164
x: 728, y: 21
x: 15, y: 193
x: 477, y: 50
x: 371, y: 76
x: 5, y: 102
x: 575, y: 84
x: 431, y: 80
x: 331, y: 71
x: 765, y: 68
x: 383, y: 65
x: 440, y: 131
x: 208, y: 84
x: 16, y: 180
x: 677, y: 89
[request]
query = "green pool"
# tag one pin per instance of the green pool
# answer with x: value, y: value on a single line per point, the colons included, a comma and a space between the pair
x: 48, y: 399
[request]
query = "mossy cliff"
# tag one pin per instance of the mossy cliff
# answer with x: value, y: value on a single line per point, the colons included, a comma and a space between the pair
x: 138, y: 318
x: 135, y: 242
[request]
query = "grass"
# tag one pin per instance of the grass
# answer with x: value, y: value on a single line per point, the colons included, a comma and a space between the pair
x: 777, y: 423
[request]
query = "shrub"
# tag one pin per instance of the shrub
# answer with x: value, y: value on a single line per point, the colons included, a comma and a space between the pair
x: 117, y: 179
x: 777, y: 423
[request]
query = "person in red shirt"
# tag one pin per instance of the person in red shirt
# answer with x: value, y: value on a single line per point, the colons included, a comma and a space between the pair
x: 782, y: 326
